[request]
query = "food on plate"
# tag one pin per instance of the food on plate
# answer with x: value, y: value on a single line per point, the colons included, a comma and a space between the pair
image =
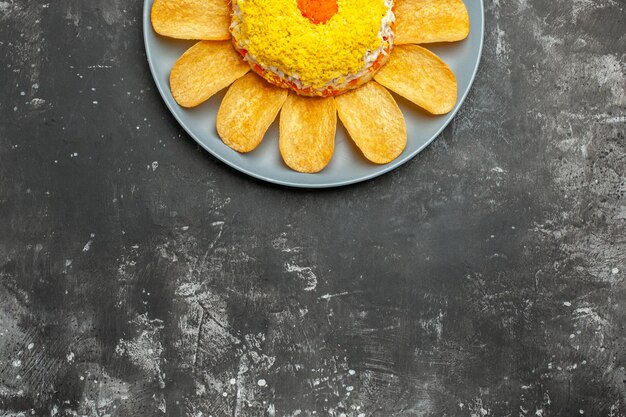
x: 312, y: 49
x: 312, y: 61
x: 374, y: 121
x: 307, y: 132
x: 427, y: 21
x: 205, y: 69
x: 192, y: 19
x: 247, y: 111
x: 420, y: 76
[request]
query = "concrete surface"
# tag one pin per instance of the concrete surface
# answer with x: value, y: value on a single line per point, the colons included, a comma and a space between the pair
x: 141, y: 277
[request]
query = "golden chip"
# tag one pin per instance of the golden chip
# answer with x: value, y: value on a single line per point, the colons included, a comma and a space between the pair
x: 247, y: 111
x: 307, y: 132
x: 206, y: 68
x: 420, y: 76
x: 192, y: 19
x: 427, y: 21
x: 374, y: 122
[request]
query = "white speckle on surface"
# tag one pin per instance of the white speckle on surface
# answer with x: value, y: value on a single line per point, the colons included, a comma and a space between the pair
x: 232, y: 381
x: 155, y: 165
x: 502, y: 46
x: 87, y: 246
x: 329, y: 296
x: 588, y: 6
x: 587, y: 314
x: 70, y: 357
x: 351, y: 371
x: 615, y: 271
x: 281, y: 243
x: 162, y: 407
x: 137, y: 348
x: 31, y: 346
x: 349, y: 388
x: 567, y: 304
x: 261, y: 383
x: 305, y: 273
x: 16, y: 363
x: 37, y: 102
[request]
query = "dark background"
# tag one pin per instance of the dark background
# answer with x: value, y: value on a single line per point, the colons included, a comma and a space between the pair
x: 141, y: 277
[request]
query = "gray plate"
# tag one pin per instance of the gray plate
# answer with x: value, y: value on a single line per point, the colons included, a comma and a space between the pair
x: 348, y: 166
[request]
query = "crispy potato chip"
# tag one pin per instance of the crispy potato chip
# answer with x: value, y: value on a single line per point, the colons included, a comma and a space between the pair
x: 374, y: 122
x: 427, y: 21
x: 307, y: 132
x: 247, y: 111
x: 206, y: 68
x: 192, y: 19
x: 420, y: 76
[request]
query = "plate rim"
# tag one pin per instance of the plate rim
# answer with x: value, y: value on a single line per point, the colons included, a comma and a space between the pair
x: 147, y: 26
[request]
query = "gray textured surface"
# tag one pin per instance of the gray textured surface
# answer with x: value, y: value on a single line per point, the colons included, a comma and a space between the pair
x: 140, y: 277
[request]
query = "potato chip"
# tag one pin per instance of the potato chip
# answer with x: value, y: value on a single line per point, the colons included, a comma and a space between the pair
x: 374, y: 122
x: 427, y: 21
x: 307, y: 132
x: 192, y: 19
x: 247, y: 111
x: 420, y: 76
x: 206, y: 68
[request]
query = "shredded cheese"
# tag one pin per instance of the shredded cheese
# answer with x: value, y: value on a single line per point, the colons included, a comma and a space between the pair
x: 279, y: 35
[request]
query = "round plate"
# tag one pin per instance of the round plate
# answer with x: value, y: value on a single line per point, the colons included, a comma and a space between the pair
x: 347, y: 166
